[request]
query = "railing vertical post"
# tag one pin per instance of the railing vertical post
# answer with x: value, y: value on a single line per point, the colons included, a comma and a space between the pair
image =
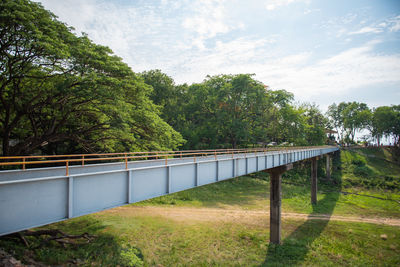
x: 126, y: 162
x: 215, y: 154
x: 23, y: 164
x: 83, y: 160
x: 67, y: 168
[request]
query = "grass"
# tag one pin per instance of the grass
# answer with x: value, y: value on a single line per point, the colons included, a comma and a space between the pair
x: 148, y: 239
x: 167, y: 242
x: 252, y: 193
x: 370, y: 168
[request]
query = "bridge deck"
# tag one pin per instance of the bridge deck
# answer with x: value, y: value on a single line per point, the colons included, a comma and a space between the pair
x: 35, y: 197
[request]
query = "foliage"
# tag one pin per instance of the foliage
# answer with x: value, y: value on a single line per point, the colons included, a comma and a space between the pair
x: 349, y: 117
x: 355, y: 117
x: 234, y: 111
x: 131, y: 256
x: 62, y: 93
x: 370, y: 171
x: 385, y: 122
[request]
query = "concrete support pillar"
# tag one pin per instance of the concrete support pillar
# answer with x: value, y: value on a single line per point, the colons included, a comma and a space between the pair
x: 328, y: 166
x: 314, y: 168
x: 275, y: 199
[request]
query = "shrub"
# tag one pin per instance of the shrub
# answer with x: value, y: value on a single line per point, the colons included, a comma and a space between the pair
x: 363, y: 171
x: 131, y: 256
x: 358, y: 161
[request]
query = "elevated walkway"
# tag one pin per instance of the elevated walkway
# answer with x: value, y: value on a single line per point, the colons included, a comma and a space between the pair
x: 38, y: 196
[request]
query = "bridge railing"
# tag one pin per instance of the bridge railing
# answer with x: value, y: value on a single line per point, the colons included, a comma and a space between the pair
x: 81, y: 159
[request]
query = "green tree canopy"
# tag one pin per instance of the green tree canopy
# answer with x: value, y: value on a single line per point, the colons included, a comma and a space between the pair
x: 61, y: 91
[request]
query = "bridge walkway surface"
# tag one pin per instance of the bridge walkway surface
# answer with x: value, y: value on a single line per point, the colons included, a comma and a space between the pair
x: 38, y: 196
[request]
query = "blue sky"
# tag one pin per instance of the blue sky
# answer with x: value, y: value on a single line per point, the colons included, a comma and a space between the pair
x: 322, y: 51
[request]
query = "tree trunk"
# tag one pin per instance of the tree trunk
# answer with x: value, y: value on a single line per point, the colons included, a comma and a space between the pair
x: 6, y: 142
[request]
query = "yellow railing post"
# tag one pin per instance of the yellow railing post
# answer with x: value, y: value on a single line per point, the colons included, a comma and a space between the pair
x: 126, y: 162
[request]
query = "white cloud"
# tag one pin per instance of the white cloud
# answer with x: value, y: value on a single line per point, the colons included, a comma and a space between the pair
x: 308, y: 11
x: 208, y: 19
x: 394, y: 24
x: 367, y: 30
x: 391, y: 24
x: 350, y: 69
x: 143, y: 35
x: 299, y: 73
x: 274, y: 4
x: 183, y: 40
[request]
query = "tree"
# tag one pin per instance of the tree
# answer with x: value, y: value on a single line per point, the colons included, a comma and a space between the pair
x: 336, y: 118
x: 386, y: 122
x: 355, y: 117
x: 61, y: 90
x: 314, y: 125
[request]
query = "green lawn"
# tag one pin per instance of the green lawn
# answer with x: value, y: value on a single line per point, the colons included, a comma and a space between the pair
x: 157, y: 240
x: 253, y: 193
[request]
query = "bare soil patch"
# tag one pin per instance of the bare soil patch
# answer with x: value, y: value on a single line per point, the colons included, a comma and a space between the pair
x: 257, y: 217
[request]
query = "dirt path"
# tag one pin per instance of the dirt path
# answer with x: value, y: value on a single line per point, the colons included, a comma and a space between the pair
x: 191, y: 215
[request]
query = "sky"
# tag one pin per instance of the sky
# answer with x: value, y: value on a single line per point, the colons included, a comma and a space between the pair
x: 321, y: 51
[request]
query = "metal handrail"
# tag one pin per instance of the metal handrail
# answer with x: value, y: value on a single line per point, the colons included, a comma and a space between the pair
x: 137, y: 155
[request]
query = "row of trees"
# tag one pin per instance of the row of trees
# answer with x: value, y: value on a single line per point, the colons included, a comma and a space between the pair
x: 234, y: 111
x: 348, y: 118
x: 61, y: 93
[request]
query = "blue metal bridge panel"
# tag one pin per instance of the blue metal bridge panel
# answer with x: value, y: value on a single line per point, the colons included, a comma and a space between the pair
x: 183, y: 177
x: 207, y: 173
x: 98, y: 192
x: 225, y: 169
x: 148, y: 183
x: 32, y: 203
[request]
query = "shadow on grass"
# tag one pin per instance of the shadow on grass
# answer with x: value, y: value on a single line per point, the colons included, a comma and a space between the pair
x: 103, y: 250
x: 241, y: 191
x: 295, y: 247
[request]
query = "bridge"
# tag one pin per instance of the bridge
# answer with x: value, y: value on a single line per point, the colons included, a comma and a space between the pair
x: 48, y: 189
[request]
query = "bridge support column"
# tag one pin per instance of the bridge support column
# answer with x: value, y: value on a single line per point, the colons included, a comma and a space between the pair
x: 314, y: 169
x: 328, y: 166
x: 275, y: 199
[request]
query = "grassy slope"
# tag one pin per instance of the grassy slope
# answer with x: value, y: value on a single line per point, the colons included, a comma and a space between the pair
x: 383, y: 181
x: 121, y: 238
